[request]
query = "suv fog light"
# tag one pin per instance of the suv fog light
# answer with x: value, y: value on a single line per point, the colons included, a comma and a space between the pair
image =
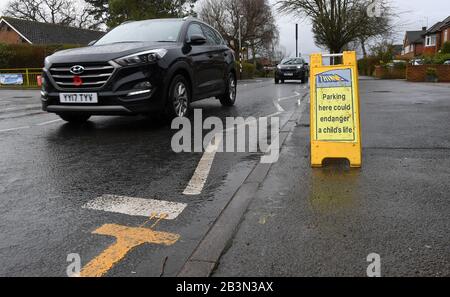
x: 139, y: 93
x: 145, y: 85
x: 141, y: 88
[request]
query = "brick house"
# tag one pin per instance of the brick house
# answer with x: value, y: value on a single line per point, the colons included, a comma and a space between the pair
x: 413, y: 44
x: 17, y: 31
x: 436, y: 36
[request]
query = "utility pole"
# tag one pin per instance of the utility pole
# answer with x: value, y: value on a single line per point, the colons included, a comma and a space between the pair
x: 296, y: 40
x: 240, y: 47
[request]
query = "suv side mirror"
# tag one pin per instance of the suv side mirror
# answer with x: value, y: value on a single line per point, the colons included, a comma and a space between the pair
x: 92, y: 42
x: 197, y: 39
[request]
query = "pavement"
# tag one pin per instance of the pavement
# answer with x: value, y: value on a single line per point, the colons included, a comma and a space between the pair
x: 249, y: 219
x: 325, y: 222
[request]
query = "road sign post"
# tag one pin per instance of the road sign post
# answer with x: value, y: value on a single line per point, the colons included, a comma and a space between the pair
x: 335, y: 110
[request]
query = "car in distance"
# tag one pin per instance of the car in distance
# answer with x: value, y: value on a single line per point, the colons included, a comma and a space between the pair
x: 292, y: 69
x: 141, y: 67
x: 416, y: 62
x: 447, y: 62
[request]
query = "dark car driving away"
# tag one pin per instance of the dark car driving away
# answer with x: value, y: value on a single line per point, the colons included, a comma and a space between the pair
x: 292, y: 69
x: 142, y: 67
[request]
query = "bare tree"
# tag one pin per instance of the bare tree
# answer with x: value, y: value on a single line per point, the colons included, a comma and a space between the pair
x: 337, y: 23
x: 63, y: 12
x: 258, y: 27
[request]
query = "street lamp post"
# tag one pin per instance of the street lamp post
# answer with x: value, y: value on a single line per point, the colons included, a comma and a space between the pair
x: 296, y: 40
x: 240, y: 47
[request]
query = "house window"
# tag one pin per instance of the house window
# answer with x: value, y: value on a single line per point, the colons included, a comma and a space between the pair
x: 430, y: 40
x: 445, y: 35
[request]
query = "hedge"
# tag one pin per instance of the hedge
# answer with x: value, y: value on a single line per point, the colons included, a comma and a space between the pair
x: 27, y: 56
x: 248, y: 70
x: 366, y: 66
x: 436, y: 59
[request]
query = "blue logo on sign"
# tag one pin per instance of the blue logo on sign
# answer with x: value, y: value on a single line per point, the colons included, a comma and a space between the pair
x: 331, y: 78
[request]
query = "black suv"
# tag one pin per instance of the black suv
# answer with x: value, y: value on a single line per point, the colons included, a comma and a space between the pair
x: 141, y: 67
x: 292, y: 68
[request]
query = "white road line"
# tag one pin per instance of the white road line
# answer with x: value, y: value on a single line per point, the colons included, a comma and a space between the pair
x: 299, y: 101
x: 200, y: 176
x: 22, y: 108
x: 201, y: 173
x: 289, y: 97
x: 277, y: 105
x: 49, y: 122
x: 15, y: 129
x: 137, y: 206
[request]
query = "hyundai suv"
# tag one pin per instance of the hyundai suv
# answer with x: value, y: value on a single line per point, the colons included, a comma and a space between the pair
x: 141, y: 67
x: 292, y: 69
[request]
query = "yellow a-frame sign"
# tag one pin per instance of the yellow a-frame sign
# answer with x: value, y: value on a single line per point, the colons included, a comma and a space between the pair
x: 335, y: 123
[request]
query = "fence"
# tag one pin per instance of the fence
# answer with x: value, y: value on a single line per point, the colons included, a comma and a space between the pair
x: 20, y: 77
x: 418, y: 73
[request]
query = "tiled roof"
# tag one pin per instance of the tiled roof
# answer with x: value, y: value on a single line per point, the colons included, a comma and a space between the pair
x: 415, y: 36
x: 435, y: 28
x: 43, y: 33
x: 439, y: 26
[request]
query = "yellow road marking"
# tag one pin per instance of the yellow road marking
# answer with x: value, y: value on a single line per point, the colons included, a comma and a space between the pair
x: 127, y: 238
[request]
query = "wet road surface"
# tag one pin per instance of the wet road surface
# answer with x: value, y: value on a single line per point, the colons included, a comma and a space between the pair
x: 50, y: 170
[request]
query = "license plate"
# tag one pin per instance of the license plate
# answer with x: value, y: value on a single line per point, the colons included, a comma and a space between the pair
x: 288, y: 74
x: 78, y: 98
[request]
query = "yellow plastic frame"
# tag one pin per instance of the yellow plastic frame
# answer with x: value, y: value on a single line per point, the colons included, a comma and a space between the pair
x: 321, y: 150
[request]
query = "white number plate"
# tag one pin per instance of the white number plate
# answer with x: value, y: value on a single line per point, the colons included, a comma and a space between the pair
x: 78, y: 98
x: 289, y: 74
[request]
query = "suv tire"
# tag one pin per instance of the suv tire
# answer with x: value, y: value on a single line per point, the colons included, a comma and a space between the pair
x: 179, y: 98
x: 229, y: 97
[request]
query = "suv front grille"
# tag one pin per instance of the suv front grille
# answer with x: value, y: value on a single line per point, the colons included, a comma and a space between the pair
x: 94, y: 76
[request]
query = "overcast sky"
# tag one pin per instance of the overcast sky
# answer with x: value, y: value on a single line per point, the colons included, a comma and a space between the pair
x: 414, y: 14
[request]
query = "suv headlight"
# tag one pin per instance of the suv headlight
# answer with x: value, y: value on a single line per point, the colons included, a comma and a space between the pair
x: 142, y: 57
x: 279, y: 66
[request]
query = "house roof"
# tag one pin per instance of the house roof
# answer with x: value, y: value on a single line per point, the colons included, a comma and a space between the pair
x: 415, y: 36
x: 439, y: 26
x: 43, y: 33
x: 435, y: 28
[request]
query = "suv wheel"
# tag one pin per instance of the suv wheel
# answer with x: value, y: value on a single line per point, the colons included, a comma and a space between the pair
x: 179, y: 97
x: 229, y: 98
x: 75, y: 119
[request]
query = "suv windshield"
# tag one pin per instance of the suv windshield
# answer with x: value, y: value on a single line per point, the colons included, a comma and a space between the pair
x: 154, y: 30
x: 292, y: 61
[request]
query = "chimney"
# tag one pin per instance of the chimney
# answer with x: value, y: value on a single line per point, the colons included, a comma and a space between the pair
x: 424, y: 28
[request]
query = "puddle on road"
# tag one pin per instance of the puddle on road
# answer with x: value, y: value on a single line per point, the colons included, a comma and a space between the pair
x: 334, y: 187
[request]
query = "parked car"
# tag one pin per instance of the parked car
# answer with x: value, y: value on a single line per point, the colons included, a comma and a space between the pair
x: 416, y: 62
x: 292, y: 69
x: 141, y: 67
x: 447, y: 62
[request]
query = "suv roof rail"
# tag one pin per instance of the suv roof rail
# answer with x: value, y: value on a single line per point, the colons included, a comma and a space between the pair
x: 127, y: 22
x: 189, y: 17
